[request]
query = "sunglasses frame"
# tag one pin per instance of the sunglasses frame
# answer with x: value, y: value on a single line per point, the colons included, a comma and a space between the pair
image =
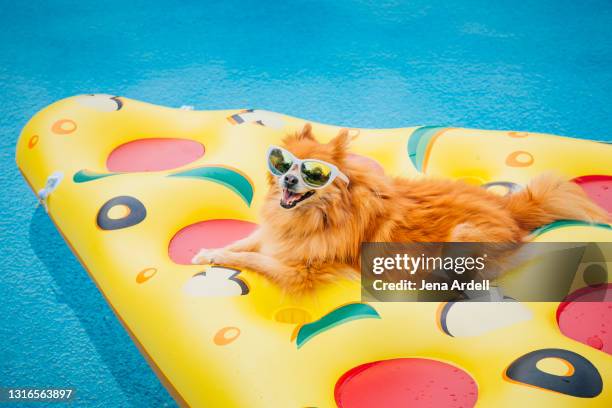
x: 335, y: 172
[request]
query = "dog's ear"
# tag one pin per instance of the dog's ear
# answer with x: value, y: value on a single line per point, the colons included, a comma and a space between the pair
x: 305, y: 133
x: 340, y: 143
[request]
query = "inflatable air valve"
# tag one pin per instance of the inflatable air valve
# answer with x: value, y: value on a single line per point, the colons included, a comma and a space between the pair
x: 52, y: 183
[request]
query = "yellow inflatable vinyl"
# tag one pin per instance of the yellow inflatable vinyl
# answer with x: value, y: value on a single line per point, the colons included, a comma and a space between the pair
x: 136, y: 189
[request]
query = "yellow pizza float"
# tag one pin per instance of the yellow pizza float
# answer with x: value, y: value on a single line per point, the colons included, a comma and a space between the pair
x: 137, y: 189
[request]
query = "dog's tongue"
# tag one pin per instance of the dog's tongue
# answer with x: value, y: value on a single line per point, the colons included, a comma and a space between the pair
x: 289, y: 197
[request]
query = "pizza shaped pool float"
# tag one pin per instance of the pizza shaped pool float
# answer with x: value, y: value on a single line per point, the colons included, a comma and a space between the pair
x: 136, y: 189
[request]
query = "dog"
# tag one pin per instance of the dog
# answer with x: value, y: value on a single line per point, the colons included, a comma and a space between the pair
x: 317, y: 213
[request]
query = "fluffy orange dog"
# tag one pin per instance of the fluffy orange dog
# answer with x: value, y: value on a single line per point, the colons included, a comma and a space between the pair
x: 318, y: 212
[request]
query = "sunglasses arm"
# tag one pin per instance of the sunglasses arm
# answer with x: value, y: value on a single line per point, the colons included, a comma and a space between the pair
x: 343, y: 177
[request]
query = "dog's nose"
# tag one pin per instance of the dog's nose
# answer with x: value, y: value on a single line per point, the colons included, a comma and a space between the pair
x: 290, y: 180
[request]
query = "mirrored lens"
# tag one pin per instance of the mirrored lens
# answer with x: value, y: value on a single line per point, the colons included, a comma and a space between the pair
x: 315, y: 174
x: 279, y: 161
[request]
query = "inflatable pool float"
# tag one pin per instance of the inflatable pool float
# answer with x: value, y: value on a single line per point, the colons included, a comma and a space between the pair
x: 137, y: 189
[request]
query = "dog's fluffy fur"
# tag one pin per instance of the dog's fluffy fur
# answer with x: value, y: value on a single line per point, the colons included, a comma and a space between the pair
x: 320, y: 237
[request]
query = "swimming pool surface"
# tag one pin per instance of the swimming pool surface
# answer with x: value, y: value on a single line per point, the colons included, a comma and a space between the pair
x: 543, y: 67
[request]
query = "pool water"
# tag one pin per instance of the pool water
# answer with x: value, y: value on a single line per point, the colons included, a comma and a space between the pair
x: 544, y: 67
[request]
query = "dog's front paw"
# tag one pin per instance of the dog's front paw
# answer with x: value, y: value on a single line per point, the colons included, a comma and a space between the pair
x: 205, y: 256
x: 212, y: 257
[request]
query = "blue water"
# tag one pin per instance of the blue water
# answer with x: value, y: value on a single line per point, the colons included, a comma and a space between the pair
x: 504, y: 64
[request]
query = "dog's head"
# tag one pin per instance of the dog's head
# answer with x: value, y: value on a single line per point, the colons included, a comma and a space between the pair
x: 292, y: 188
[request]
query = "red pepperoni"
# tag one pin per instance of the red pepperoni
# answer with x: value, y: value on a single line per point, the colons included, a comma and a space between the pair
x: 586, y: 317
x: 598, y: 188
x: 406, y: 382
x: 153, y: 155
x: 206, y: 234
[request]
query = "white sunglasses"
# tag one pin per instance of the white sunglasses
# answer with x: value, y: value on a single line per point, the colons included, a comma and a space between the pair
x: 314, y: 173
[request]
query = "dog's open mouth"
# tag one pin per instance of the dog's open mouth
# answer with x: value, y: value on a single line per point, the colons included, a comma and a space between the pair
x: 289, y: 199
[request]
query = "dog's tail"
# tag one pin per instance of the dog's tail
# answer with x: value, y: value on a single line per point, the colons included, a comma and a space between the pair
x: 548, y: 198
